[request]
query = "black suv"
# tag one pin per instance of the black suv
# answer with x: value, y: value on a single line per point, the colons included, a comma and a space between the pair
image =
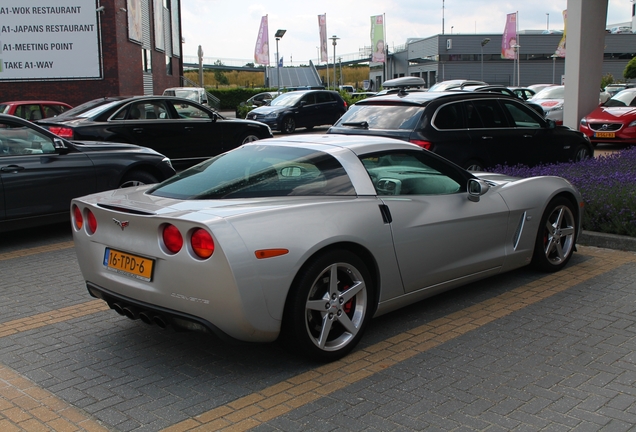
x: 473, y: 129
x: 306, y: 109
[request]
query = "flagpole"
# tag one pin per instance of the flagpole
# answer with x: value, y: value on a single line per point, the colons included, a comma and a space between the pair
x: 386, y: 47
x: 326, y: 33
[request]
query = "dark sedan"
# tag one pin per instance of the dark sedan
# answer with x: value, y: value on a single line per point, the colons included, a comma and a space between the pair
x: 40, y: 172
x: 476, y: 130
x: 183, y: 130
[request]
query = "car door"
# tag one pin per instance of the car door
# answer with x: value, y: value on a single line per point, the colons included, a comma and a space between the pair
x: 439, y: 234
x: 36, y: 180
x: 307, y: 113
x: 326, y: 108
x: 531, y: 141
x: 489, y: 130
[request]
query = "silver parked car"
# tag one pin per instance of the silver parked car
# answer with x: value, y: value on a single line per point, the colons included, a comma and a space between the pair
x: 311, y: 236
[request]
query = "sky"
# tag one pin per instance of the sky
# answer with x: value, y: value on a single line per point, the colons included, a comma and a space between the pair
x: 227, y: 29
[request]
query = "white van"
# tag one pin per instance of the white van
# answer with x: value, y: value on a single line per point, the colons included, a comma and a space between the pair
x: 196, y: 94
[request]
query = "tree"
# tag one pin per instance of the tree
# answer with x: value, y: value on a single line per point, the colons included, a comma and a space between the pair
x: 219, y: 75
x: 630, y: 69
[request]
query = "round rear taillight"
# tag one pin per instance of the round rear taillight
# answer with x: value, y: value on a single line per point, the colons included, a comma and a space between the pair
x: 172, y: 238
x: 78, y: 219
x: 92, y: 222
x: 202, y: 243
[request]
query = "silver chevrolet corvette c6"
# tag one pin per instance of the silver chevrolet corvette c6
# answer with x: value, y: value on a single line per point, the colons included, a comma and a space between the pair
x: 310, y: 236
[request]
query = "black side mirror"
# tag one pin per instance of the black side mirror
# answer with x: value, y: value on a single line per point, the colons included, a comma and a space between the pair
x: 551, y: 123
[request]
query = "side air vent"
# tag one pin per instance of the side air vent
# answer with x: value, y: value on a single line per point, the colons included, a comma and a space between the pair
x: 515, y: 240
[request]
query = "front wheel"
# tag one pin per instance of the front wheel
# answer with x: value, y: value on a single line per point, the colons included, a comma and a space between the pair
x: 554, y: 245
x: 474, y: 165
x: 289, y: 125
x: 582, y: 152
x: 248, y: 138
x: 329, y: 306
x: 137, y: 178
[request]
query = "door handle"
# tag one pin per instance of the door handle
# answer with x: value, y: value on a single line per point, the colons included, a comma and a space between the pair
x: 138, y: 130
x: 486, y: 137
x: 189, y: 128
x: 527, y: 136
x: 12, y: 168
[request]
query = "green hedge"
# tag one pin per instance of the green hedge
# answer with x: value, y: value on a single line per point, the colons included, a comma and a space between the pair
x: 231, y: 98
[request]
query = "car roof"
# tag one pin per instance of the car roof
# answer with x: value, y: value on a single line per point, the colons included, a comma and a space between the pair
x: 359, y: 144
x: 35, y: 101
x: 423, y: 98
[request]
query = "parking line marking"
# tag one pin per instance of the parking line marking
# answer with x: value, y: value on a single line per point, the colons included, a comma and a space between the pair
x: 28, y: 407
x: 55, y: 316
x: 257, y: 408
x: 36, y: 250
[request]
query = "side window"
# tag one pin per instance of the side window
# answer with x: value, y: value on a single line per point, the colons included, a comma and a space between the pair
x: 521, y: 116
x: 16, y: 139
x: 310, y: 98
x: 409, y: 173
x: 449, y: 117
x: 490, y: 113
x: 323, y: 97
x: 185, y: 110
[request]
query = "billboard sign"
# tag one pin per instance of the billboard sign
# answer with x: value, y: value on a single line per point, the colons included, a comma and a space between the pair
x: 44, y: 40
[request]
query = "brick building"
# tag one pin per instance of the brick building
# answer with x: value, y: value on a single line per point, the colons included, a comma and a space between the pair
x: 77, y: 50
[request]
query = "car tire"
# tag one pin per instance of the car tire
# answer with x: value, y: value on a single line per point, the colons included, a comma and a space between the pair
x: 554, y: 244
x: 316, y: 306
x: 474, y: 165
x: 288, y: 125
x: 137, y: 178
x: 582, y: 152
x: 248, y: 138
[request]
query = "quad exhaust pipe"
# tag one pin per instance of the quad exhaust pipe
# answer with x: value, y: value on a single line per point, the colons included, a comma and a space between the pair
x: 145, y: 316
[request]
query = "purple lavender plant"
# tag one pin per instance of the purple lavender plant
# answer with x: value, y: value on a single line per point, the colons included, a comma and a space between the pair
x: 607, y: 184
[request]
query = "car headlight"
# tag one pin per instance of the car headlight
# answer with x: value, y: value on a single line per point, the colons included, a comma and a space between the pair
x: 556, y: 108
x: 272, y: 115
x: 583, y: 122
x: 632, y: 124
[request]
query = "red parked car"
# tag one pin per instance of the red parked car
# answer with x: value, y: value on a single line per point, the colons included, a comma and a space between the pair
x: 613, y: 122
x: 34, y: 109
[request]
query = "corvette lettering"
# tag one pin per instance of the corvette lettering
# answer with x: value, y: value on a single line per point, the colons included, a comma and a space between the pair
x: 192, y: 299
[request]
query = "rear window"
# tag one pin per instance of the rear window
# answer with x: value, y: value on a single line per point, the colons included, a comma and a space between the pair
x: 260, y: 171
x: 390, y: 117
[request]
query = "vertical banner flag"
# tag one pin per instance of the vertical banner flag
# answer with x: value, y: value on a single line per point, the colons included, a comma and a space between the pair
x: 509, y: 39
x: 560, y: 51
x: 280, y: 62
x: 322, y: 26
x: 377, y: 39
x: 261, y: 51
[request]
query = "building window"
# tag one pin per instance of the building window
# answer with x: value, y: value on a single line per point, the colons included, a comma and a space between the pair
x: 146, y: 61
x: 168, y: 65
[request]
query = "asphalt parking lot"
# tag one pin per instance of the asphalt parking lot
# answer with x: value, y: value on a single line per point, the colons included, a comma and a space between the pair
x: 520, y: 351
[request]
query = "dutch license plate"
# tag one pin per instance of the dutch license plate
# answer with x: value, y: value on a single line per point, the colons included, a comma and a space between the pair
x: 129, y: 264
x: 604, y: 135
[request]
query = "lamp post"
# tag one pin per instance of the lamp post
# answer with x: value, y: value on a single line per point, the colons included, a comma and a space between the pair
x: 483, y: 43
x: 516, y: 48
x: 547, y: 21
x: 554, y: 57
x: 452, y: 27
x: 279, y: 35
x: 334, y: 38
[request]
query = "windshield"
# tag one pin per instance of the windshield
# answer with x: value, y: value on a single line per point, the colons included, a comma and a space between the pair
x: 287, y: 99
x: 554, y: 92
x: 622, y: 98
x: 260, y: 171
x: 187, y: 94
x: 4, y: 108
x: 382, y: 116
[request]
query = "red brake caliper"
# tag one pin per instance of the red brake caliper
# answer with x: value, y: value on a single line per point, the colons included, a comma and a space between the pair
x: 348, y: 305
